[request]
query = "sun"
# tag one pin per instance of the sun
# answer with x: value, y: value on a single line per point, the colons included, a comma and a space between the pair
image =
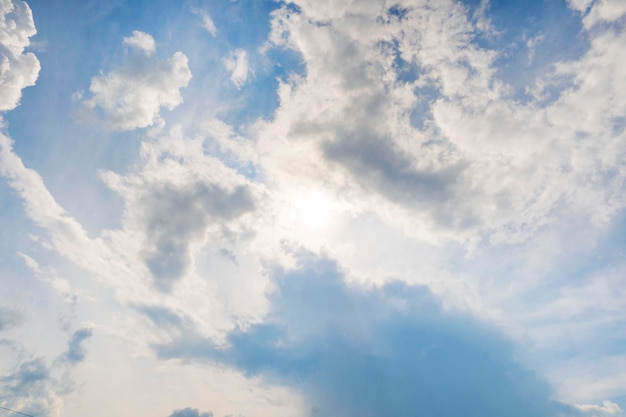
x: 314, y: 210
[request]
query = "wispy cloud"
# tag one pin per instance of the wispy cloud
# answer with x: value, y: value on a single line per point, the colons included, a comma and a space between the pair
x: 207, y: 21
x: 237, y: 64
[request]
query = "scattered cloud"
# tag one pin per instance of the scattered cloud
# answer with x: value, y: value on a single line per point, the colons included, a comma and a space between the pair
x: 207, y: 22
x: 29, y: 388
x: 131, y: 97
x: 176, y: 205
x: 40, y: 389
x: 602, y: 11
x: 608, y: 408
x: 141, y: 41
x: 75, y: 352
x: 465, y: 173
x: 237, y: 64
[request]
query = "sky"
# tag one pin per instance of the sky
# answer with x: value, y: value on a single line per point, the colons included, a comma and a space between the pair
x: 331, y: 208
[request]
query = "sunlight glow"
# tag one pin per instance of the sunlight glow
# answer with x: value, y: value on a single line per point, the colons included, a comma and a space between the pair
x: 314, y: 210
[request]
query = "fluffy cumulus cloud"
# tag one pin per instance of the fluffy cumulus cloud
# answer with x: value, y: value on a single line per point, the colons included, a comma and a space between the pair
x: 179, y: 200
x: 417, y: 117
x: 141, y: 41
x: 17, y: 69
x: 132, y: 96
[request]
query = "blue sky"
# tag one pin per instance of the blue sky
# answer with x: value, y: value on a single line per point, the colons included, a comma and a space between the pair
x: 318, y: 208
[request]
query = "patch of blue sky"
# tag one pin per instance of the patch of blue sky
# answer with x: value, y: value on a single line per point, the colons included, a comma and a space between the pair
x: 246, y: 25
x: 406, y: 71
x: 388, y: 351
x: 69, y: 155
x: 91, y: 43
x: 259, y: 98
x: 620, y: 400
x: 421, y: 113
x: 530, y: 36
x: 243, y: 22
x: 619, y: 125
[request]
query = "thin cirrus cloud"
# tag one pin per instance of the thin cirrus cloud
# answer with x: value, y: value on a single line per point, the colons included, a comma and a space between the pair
x: 237, y: 64
x: 207, y: 21
x: 405, y: 230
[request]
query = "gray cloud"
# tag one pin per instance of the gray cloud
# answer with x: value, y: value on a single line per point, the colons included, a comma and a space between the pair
x: 375, y: 163
x: 75, y: 352
x: 161, y: 316
x: 190, y: 412
x: 9, y: 318
x: 29, y: 385
x: 176, y: 216
x: 36, y: 387
x: 388, y: 351
x: 27, y: 378
x: 478, y: 163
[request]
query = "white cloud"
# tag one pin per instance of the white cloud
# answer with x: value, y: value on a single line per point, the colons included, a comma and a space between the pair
x: 482, y: 166
x: 608, y: 408
x: 142, y: 41
x: 237, y: 63
x: 522, y: 182
x: 17, y: 69
x: 580, y: 5
x: 180, y: 199
x: 9, y: 318
x: 207, y: 22
x: 40, y: 205
x: 605, y: 11
x: 132, y: 96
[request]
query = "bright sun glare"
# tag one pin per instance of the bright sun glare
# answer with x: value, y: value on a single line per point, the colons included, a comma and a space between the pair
x: 314, y: 210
